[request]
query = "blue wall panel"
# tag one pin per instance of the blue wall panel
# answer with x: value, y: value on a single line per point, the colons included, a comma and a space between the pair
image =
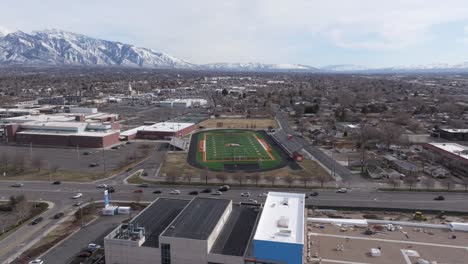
x: 279, y: 252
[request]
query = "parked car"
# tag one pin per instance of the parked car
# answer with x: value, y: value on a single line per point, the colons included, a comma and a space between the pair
x: 176, y: 192
x: 17, y: 185
x: 314, y: 194
x: 253, y: 201
x: 102, y: 185
x: 37, y: 221
x: 78, y: 203
x: 56, y: 182
x: 138, y: 191
x: 208, y: 190
x: 36, y: 261
x: 263, y: 195
x: 193, y: 193
x: 58, y: 215
x: 342, y: 190
x: 93, y: 246
x: 439, y: 198
x: 245, y: 194
x: 157, y: 192
x: 86, y: 153
x: 78, y: 195
x: 110, y: 189
x: 144, y: 185
x: 93, y: 164
x: 217, y: 193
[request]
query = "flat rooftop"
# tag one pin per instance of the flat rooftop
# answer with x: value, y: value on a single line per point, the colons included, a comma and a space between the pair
x: 198, y: 219
x: 166, y: 127
x: 453, y: 148
x: 454, y: 130
x: 282, y: 219
x: 411, y: 243
x: 40, y: 118
x: 235, y: 236
x: 157, y: 216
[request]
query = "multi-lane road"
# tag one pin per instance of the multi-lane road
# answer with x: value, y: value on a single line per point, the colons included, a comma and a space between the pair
x: 60, y: 196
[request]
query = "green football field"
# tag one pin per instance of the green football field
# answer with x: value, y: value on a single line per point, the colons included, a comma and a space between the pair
x: 219, y: 147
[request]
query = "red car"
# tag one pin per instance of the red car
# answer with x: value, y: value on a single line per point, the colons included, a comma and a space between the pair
x: 138, y: 191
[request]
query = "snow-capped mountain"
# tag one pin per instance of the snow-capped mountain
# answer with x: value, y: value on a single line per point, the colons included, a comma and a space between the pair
x: 57, y: 47
x: 344, y: 68
x: 256, y: 66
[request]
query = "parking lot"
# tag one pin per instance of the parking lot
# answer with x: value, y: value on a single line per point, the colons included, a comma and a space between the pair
x: 69, y: 163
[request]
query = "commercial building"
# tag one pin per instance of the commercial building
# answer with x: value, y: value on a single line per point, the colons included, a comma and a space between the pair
x: 164, y: 130
x: 451, y: 155
x: 211, y: 231
x: 280, y: 233
x: 452, y: 134
x: 81, y: 134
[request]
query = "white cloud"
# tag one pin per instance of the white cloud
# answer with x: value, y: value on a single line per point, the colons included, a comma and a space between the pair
x: 242, y: 30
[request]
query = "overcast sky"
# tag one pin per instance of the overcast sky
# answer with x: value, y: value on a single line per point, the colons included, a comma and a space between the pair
x: 311, y: 32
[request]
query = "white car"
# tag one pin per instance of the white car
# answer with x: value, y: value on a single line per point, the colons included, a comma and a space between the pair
x: 102, y: 186
x: 78, y: 195
x: 217, y: 193
x: 245, y: 194
x: 36, y: 261
x: 93, y: 246
x: 253, y: 201
x: 342, y: 190
x: 263, y: 195
x: 177, y: 192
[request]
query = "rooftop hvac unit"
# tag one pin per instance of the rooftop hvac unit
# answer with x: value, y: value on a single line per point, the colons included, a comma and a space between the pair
x: 285, y: 201
x: 283, y: 222
x: 284, y: 232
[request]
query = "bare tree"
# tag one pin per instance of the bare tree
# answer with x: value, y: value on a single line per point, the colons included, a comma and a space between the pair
x: 390, y: 134
x: 171, y: 177
x: 4, y: 159
x: 256, y: 177
x: 271, y: 178
x: 37, y: 162
x: 289, y: 179
x: 188, y: 176
x: 19, y: 163
x: 305, y: 179
x: 22, y: 208
x: 410, y: 181
x: 465, y: 183
x: 448, y: 183
x: 428, y: 182
x: 322, y: 178
x: 54, y: 168
x: 394, y: 182
x: 221, y: 177
x: 238, y: 177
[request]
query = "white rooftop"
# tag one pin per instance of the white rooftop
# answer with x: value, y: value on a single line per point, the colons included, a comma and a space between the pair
x: 453, y: 148
x: 43, y: 118
x: 453, y: 130
x: 166, y: 127
x: 282, y: 219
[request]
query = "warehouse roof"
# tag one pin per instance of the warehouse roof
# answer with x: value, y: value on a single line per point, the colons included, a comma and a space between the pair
x: 198, y: 219
x: 282, y: 219
x: 453, y: 148
x: 235, y: 236
x: 166, y: 127
x: 157, y: 216
x: 454, y: 130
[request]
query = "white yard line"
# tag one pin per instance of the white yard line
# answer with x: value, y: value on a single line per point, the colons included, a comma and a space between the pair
x: 391, y: 241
